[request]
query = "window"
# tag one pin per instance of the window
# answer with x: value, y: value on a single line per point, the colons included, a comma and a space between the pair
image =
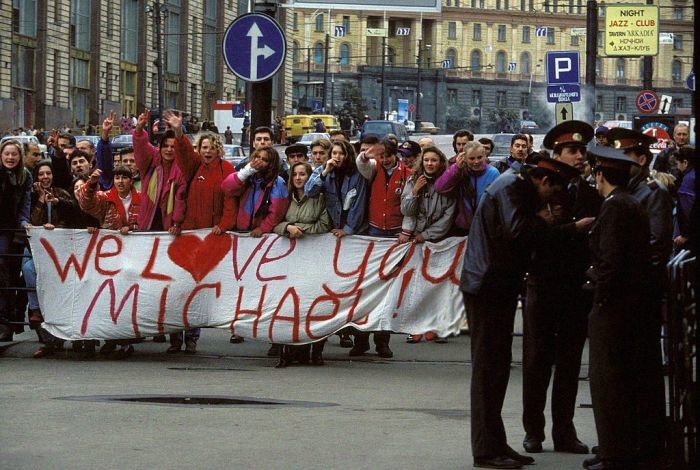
x: 574, y: 40
x: 80, y: 24
x: 677, y: 42
x: 550, y: 35
x: 209, y: 50
x: 346, y: 24
x: 677, y: 13
x: 598, y: 67
x: 295, y: 21
x: 571, y: 6
x: 319, y: 22
x: 621, y: 103
x: 451, y: 96
x: 129, y: 31
x: 172, y: 40
x: 676, y: 70
x: 525, y: 63
x: 599, y: 39
x: 391, y: 56
x: 475, y: 61
x: 524, y: 99
x: 620, y: 68
x: 477, y: 32
x: 318, y: 53
x: 501, y: 62
x: 344, y: 54
x: 451, y: 30
x: 295, y: 52
x: 22, y: 67
x: 579, y: 6
x: 476, y: 97
x: 599, y: 102
x: 24, y: 17
x: 80, y: 88
x: 452, y: 57
x: 526, y: 34
x: 501, y: 33
x: 522, y: 5
x: 501, y: 99
x: 498, y: 4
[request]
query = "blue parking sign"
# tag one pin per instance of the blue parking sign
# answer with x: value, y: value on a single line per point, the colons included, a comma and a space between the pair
x: 563, y: 68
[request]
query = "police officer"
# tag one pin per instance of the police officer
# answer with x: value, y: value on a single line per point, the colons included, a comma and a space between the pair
x: 505, y: 226
x: 625, y: 366
x: 556, y: 309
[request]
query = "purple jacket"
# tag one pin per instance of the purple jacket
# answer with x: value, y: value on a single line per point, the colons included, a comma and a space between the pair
x: 258, y: 205
x: 171, y: 192
x: 453, y: 182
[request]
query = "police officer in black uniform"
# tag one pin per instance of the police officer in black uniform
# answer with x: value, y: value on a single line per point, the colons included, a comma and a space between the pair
x: 556, y: 309
x: 625, y: 366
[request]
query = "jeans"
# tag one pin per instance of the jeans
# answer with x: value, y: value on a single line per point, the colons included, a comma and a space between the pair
x: 29, y: 273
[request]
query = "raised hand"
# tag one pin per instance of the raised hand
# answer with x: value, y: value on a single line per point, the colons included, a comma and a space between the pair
x: 107, y: 125
x: 142, y: 120
x: 174, y: 121
x: 95, y: 176
x: 420, y: 182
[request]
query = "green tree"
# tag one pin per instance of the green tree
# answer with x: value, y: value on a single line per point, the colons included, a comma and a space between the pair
x: 461, y: 117
x: 503, y: 119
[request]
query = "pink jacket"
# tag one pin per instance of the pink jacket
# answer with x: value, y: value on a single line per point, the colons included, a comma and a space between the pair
x: 168, y: 192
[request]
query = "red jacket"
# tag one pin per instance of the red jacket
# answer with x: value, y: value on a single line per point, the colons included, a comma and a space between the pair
x: 206, y: 205
x: 385, y: 197
x: 107, y: 207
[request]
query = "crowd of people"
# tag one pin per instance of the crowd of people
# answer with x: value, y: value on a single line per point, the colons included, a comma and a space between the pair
x: 579, y: 236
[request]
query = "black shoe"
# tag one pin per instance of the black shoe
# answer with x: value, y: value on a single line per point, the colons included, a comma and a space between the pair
x: 317, y: 358
x: 174, y: 348
x: 235, y: 339
x: 190, y: 346
x: 125, y: 351
x: 6, y: 333
x: 571, y: 447
x: 89, y: 349
x: 610, y: 465
x: 108, y: 348
x: 384, y: 351
x: 594, y: 450
x: 274, y: 350
x: 346, y: 341
x: 591, y: 461
x: 159, y: 339
x: 532, y: 445
x: 523, y: 459
x: 77, y: 346
x: 500, y: 461
x: 359, y: 350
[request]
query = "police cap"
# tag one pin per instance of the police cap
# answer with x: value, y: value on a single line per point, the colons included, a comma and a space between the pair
x: 568, y: 133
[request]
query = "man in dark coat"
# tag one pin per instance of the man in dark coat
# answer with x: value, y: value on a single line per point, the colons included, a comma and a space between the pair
x: 556, y: 310
x: 504, y: 228
x: 625, y: 364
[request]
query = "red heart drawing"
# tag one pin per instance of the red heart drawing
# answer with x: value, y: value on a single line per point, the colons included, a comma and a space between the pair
x: 197, y: 256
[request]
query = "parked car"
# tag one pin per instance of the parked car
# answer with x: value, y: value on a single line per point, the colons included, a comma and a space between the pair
x: 428, y: 127
x: 92, y: 138
x: 22, y: 139
x: 121, y: 141
x: 234, y: 154
x: 382, y: 128
x: 528, y: 127
x: 616, y: 123
x: 410, y: 126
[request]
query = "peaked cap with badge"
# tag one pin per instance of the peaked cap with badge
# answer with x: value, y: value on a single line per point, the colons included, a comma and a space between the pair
x: 568, y: 133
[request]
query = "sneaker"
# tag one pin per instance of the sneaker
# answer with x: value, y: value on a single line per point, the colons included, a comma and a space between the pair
x: 174, y: 348
x: 346, y: 341
x: 430, y: 336
x: 235, y: 339
x: 413, y: 339
x: 359, y: 350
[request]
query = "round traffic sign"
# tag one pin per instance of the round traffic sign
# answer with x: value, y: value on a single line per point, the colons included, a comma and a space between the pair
x: 647, y: 101
x: 411, y: 108
x: 254, y: 47
x: 690, y: 81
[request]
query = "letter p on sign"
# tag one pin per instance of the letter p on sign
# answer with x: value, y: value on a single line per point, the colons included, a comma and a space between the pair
x: 563, y: 68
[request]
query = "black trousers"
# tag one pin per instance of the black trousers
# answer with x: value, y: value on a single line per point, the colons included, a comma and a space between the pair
x: 626, y: 379
x: 555, y: 328
x: 490, y: 313
x: 380, y: 338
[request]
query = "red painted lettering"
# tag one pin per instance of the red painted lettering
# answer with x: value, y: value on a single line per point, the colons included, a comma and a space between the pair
x: 114, y: 315
x: 237, y: 273
x: 395, y: 268
x: 265, y: 260
x: 293, y: 319
x: 451, y: 272
x: 361, y: 268
x: 107, y: 254
x: 148, y: 270
x: 161, y: 311
x: 195, y: 291
x: 257, y: 313
x: 72, y: 260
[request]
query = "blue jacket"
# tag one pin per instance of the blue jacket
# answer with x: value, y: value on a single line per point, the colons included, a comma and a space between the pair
x: 346, y: 200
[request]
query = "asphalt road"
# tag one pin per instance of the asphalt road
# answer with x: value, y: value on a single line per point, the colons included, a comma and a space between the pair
x: 409, y: 412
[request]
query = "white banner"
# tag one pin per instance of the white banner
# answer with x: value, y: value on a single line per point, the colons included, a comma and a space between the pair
x: 109, y: 286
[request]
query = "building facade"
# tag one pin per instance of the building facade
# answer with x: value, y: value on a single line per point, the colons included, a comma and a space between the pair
x: 476, y: 59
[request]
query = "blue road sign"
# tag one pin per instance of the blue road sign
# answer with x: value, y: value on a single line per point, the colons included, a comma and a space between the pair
x: 690, y: 81
x: 254, y: 47
x: 562, y: 68
x: 316, y: 106
x: 238, y: 110
x: 567, y: 93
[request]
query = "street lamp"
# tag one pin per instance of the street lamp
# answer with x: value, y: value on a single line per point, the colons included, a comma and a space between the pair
x: 159, y: 12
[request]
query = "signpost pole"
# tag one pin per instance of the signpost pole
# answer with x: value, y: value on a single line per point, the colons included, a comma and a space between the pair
x: 648, y: 64
x: 591, y: 57
x: 325, y: 70
x: 381, y: 102
x: 261, y: 92
x: 418, y: 92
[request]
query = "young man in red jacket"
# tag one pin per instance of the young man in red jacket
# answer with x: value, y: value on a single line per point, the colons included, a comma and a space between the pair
x: 203, y: 170
x: 387, y: 176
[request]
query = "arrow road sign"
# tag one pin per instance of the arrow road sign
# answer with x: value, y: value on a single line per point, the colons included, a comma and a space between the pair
x: 541, y: 32
x: 564, y: 112
x: 403, y: 31
x: 665, y: 104
x: 447, y: 64
x: 254, y: 47
x: 339, y: 31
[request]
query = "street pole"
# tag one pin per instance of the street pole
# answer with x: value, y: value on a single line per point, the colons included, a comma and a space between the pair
x: 381, y: 105
x: 417, y: 117
x: 308, y: 73
x: 332, y: 92
x: 648, y: 65
x: 325, y: 72
x: 591, y: 56
x: 159, y: 64
x: 261, y: 92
